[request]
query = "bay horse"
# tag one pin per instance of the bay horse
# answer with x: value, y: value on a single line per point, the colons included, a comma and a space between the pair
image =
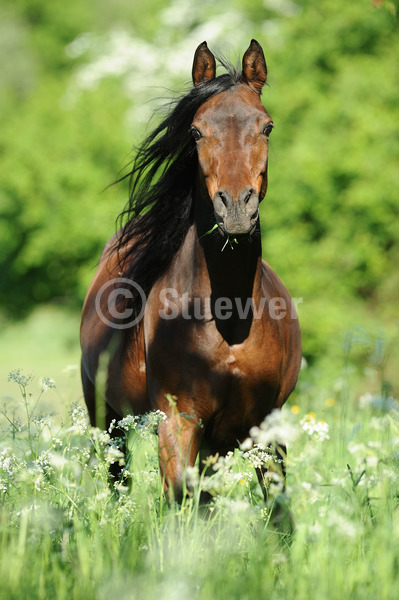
x: 182, y: 305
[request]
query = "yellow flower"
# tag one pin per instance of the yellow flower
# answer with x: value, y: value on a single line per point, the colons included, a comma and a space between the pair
x: 311, y: 415
x: 295, y: 409
x: 330, y: 402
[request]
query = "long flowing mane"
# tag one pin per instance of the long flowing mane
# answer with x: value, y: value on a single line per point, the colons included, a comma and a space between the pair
x: 156, y: 219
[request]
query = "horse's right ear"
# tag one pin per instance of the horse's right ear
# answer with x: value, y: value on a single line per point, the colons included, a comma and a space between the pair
x: 204, y: 65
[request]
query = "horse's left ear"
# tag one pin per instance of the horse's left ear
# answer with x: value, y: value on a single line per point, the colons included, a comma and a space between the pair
x: 204, y: 65
x: 254, y: 70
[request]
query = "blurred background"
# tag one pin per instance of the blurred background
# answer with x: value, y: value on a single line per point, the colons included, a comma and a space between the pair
x: 79, y: 82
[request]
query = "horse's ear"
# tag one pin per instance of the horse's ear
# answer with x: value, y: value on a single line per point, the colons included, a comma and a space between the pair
x: 204, y: 65
x: 254, y: 70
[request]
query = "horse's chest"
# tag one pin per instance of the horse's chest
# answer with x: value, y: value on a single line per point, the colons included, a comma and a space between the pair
x: 196, y: 361
x: 245, y: 386
x: 245, y: 361
x: 248, y: 372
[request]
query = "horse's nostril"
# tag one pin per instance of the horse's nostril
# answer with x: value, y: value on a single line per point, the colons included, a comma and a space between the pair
x: 248, y: 196
x: 223, y: 198
x: 222, y: 203
x: 249, y: 202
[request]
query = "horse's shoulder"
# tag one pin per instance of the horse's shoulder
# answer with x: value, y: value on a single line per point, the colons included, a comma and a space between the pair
x: 273, y: 283
x: 110, y: 247
x: 114, y: 252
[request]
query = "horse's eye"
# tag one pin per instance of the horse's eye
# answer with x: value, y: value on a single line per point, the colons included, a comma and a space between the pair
x: 196, y: 134
x: 268, y: 129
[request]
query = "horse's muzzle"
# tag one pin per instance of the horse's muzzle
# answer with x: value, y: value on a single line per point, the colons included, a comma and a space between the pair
x: 236, y: 216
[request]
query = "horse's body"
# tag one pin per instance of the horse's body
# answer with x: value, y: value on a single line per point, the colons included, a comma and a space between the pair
x: 226, y: 366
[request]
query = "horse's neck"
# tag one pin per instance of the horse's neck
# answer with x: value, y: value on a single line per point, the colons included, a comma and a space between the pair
x: 234, y: 268
x: 231, y: 276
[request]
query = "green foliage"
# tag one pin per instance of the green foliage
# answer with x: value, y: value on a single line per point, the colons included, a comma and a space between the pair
x: 331, y: 217
x: 57, y: 160
x: 75, y: 94
x: 56, y: 215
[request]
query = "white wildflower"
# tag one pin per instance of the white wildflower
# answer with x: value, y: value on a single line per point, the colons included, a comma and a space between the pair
x: 27, y: 509
x: 46, y: 384
x: 374, y: 445
x: 192, y: 476
x: 113, y: 455
x: 246, y: 444
x: 148, y: 423
x: 43, y: 462
x: 154, y: 418
x: 128, y: 423
x: 98, y: 435
x: 365, y: 400
x: 145, y: 425
x: 224, y: 477
x: 232, y: 505
x: 276, y: 429
x: 258, y: 457
x: 380, y: 423
x: 9, y: 467
x: 57, y: 461
x: 126, y: 508
x: 314, y: 428
x: 112, y: 426
x: 371, y: 461
x: 225, y: 462
x: 21, y: 380
x: 104, y: 495
x: 79, y: 420
x: 39, y: 483
x: 81, y: 454
x: 121, y: 488
x: 343, y: 526
x: 356, y: 449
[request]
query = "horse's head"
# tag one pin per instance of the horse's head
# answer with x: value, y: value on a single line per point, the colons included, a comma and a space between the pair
x: 232, y: 130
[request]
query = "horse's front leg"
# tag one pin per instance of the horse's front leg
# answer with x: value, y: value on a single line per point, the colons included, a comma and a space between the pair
x: 271, y: 477
x: 272, y: 482
x: 179, y: 440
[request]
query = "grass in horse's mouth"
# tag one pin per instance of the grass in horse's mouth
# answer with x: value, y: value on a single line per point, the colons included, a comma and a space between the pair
x: 229, y: 238
x: 210, y: 230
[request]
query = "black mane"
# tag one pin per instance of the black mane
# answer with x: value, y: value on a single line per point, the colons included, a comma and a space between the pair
x: 159, y: 213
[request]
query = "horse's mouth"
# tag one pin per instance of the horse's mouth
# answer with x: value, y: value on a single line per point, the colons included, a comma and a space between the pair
x: 236, y: 235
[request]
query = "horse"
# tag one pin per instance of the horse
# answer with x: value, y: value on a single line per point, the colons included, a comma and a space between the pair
x: 183, y: 314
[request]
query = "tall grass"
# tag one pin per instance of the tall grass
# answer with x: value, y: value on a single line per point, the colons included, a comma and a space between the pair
x: 64, y: 533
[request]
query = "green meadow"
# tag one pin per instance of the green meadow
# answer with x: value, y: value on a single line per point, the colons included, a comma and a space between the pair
x: 65, y: 532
